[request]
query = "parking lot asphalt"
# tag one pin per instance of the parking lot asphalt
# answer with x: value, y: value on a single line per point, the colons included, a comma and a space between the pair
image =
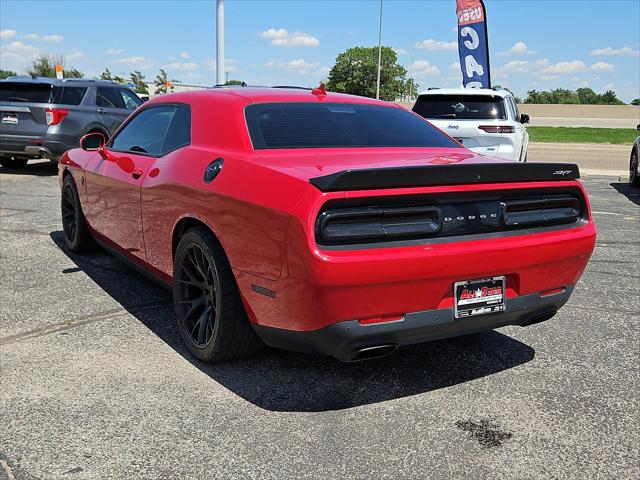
x: 95, y: 384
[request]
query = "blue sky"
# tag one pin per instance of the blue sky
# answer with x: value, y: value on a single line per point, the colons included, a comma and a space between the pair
x: 534, y: 44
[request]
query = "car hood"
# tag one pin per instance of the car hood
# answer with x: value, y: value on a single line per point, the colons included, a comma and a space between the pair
x: 311, y: 163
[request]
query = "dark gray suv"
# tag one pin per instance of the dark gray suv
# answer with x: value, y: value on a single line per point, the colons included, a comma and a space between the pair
x: 44, y: 117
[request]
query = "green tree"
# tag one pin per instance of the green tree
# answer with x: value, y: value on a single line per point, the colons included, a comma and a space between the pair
x: 609, y: 98
x: 587, y: 96
x: 106, y: 75
x: 137, y: 78
x: 161, y: 82
x: 355, y: 72
x: 45, y: 66
x: 119, y: 79
x: 235, y: 82
x: 635, y: 101
x: 7, y: 73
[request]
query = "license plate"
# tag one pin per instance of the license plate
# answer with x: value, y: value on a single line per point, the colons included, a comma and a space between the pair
x: 479, y: 297
x: 9, y: 118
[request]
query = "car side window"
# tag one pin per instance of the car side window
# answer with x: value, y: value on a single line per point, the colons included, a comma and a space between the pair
x: 109, y: 98
x: 179, y: 132
x: 130, y: 99
x: 146, y: 132
x: 512, y: 110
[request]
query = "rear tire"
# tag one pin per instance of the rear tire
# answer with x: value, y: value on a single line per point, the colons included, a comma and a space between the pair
x: 634, y: 177
x: 74, y: 226
x: 209, y: 312
x: 13, y: 163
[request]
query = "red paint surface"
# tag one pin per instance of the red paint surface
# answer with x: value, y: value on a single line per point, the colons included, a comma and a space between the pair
x: 263, y: 209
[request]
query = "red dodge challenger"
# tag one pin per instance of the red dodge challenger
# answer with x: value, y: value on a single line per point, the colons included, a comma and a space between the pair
x: 324, y: 223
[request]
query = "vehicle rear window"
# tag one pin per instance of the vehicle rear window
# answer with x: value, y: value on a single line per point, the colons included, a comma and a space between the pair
x: 26, y: 92
x: 461, y: 107
x: 326, y: 125
x: 69, y: 95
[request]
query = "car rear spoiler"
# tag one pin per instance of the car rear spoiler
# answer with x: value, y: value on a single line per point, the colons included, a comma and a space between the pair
x: 434, y: 175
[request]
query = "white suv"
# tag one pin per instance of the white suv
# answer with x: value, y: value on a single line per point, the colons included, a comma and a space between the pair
x: 484, y: 120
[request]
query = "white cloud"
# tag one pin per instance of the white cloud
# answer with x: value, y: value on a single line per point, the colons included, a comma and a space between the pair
x: 519, y: 48
x: 74, y: 54
x: 515, y: 66
x: 52, y: 38
x: 183, y: 67
x: 185, y: 55
x: 400, y: 51
x: 17, y: 55
x: 422, y: 68
x: 455, y: 66
x: 602, y: 67
x: 137, y: 62
x: 435, y: 45
x: 7, y: 33
x: 282, y: 38
x: 230, y: 65
x: 609, y: 51
x: 113, y: 51
x: 44, y: 38
x: 564, y: 67
x: 299, y: 66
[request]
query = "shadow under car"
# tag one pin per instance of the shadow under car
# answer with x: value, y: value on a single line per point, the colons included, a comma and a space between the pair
x: 291, y: 382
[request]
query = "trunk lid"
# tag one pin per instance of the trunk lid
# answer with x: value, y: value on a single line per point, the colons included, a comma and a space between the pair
x: 22, y: 107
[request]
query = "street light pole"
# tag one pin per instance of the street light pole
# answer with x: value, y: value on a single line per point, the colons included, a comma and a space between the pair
x: 379, y: 52
x: 220, y: 42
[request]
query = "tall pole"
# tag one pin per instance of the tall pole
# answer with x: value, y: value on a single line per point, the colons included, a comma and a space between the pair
x: 220, y: 42
x: 379, y: 52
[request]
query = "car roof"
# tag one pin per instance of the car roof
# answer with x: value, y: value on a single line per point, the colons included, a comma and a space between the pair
x: 466, y: 91
x: 57, y: 82
x: 266, y: 95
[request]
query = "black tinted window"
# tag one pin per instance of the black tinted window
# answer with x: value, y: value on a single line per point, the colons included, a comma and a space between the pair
x: 69, y: 95
x: 26, y: 92
x: 146, y: 132
x: 109, y: 97
x: 462, y: 107
x: 324, y: 125
x: 179, y: 133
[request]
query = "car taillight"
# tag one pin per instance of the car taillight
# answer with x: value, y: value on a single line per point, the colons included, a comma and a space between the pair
x: 497, y: 128
x: 376, y: 224
x: 54, y: 116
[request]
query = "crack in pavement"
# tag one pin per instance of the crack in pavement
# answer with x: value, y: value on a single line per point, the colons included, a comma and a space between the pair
x: 78, y: 322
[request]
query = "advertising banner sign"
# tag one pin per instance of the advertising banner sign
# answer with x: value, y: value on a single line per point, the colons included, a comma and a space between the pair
x: 473, y: 43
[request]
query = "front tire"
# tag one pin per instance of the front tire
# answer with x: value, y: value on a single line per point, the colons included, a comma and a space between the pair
x: 74, y: 226
x: 634, y: 176
x: 209, y: 311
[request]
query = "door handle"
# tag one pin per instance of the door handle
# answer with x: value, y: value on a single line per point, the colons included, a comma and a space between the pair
x: 100, y: 110
x: 137, y: 173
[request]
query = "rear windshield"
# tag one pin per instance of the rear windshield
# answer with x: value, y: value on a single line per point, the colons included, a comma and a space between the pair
x: 26, y: 92
x: 41, y: 93
x: 461, y: 107
x: 326, y: 125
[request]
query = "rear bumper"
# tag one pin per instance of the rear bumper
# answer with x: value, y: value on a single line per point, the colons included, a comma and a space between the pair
x: 33, y: 146
x: 345, y: 340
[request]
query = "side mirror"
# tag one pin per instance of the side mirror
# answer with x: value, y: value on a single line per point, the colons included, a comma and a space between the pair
x: 93, y: 142
x: 638, y: 127
x: 524, y: 118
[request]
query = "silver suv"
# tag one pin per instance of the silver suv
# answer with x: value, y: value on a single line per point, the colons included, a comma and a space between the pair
x: 44, y: 117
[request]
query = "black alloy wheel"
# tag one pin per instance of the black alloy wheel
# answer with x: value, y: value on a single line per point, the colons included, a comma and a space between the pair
x: 634, y: 174
x: 198, y: 295
x: 209, y: 311
x: 74, y: 227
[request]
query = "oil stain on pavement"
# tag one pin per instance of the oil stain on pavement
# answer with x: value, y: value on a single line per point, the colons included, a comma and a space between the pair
x: 487, y: 433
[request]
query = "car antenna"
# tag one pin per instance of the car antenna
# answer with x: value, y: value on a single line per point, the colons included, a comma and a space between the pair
x: 320, y: 90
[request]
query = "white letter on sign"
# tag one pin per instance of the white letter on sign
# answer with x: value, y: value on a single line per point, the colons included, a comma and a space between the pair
x: 475, y: 40
x: 472, y: 66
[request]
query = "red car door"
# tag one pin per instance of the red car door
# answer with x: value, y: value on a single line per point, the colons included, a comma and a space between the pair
x: 114, y: 179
